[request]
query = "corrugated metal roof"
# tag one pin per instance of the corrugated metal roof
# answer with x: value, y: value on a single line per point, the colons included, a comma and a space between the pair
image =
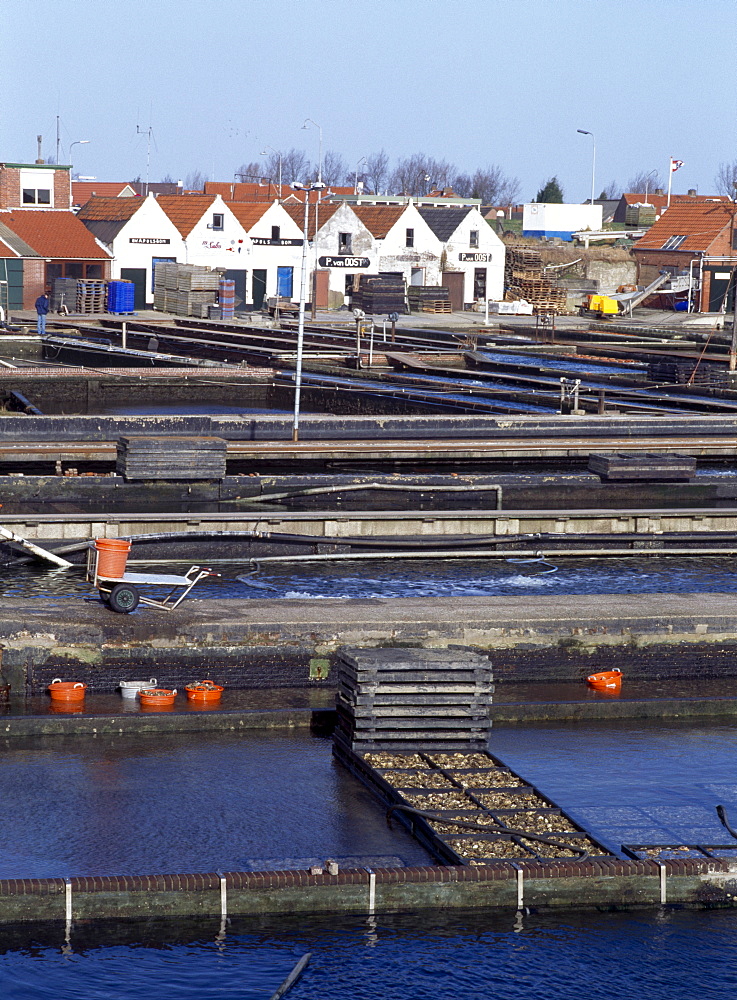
x: 443, y: 221
x: 18, y: 248
x: 699, y: 222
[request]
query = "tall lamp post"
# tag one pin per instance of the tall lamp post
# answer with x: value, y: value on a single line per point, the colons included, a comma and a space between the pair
x: 307, y: 123
x: 264, y: 153
x: 355, y: 181
x: 582, y: 131
x: 77, y: 142
x: 315, y: 186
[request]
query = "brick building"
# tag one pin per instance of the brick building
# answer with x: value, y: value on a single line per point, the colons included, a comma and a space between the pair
x: 697, y: 239
x: 35, y: 186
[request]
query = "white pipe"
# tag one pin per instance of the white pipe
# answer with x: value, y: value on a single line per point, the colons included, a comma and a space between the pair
x: 35, y: 549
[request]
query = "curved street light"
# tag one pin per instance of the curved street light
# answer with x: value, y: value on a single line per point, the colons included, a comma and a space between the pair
x: 583, y: 131
x: 264, y: 153
x: 77, y: 142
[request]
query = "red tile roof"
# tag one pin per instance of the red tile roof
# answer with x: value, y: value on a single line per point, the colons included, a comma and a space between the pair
x: 660, y: 201
x: 248, y: 213
x: 701, y: 222
x: 109, y: 209
x: 379, y: 219
x: 56, y: 235
x: 326, y: 211
x: 186, y: 210
x: 82, y: 191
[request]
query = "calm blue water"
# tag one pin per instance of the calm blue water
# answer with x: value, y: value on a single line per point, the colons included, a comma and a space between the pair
x: 417, y: 578
x: 666, y: 956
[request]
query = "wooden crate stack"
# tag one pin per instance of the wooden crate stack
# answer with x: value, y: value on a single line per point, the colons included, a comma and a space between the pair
x: 91, y: 296
x: 524, y: 277
x: 379, y: 294
x: 174, y: 457
x: 647, y: 468
x: 185, y: 289
x: 429, y: 298
x: 408, y: 699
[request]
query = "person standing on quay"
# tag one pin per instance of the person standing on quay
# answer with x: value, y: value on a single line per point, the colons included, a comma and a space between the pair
x: 42, y: 307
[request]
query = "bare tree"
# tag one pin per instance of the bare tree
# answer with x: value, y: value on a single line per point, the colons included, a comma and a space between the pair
x: 334, y: 169
x: 295, y: 166
x: 493, y: 187
x: 611, y: 191
x: 419, y: 174
x: 725, y: 179
x: 252, y: 171
x: 646, y: 181
x: 376, y: 172
x: 195, y: 180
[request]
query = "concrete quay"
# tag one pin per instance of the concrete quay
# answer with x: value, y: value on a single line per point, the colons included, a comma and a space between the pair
x: 267, y: 644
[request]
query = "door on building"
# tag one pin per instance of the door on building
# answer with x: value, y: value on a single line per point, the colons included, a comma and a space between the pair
x: 321, y: 289
x: 417, y: 277
x: 138, y: 276
x: 258, y: 287
x: 721, y: 289
x: 479, y: 283
x: 154, y: 262
x: 454, y: 281
x: 238, y: 277
x: 284, y: 282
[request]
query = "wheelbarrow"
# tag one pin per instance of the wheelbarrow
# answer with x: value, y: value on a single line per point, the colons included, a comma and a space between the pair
x: 106, y: 560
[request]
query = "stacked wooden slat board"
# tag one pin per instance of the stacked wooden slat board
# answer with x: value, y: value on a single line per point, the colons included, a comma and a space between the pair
x: 185, y: 289
x: 525, y: 278
x: 413, y: 698
x: 647, y: 468
x: 428, y: 298
x: 678, y: 372
x: 91, y: 296
x: 171, y: 457
x: 379, y: 294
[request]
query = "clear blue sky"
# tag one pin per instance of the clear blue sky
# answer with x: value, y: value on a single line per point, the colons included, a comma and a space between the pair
x: 471, y: 81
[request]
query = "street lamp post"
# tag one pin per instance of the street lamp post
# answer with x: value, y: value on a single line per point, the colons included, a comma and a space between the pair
x: 315, y: 186
x: 77, y: 142
x: 593, y: 160
x: 279, y: 155
x: 307, y: 123
x: 355, y: 181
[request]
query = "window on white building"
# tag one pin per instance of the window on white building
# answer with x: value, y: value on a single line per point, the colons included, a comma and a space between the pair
x: 473, y: 238
x: 344, y: 242
x: 410, y: 240
x: 218, y: 220
x: 275, y: 233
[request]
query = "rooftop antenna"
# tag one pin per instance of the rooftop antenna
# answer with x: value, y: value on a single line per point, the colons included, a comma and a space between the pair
x: 148, y: 132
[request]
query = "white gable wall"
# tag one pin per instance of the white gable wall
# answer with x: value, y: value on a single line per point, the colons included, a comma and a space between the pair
x: 281, y: 253
x: 149, y: 233
x: 363, y: 244
x: 424, y: 255
x: 488, y: 255
x: 228, y: 247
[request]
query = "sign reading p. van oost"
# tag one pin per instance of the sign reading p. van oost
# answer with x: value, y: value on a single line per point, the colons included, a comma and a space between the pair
x: 474, y: 258
x: 344, y: 261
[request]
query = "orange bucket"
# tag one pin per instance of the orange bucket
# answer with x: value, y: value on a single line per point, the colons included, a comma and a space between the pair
x: 66, y: 690
x: 157, y: 697
x: 112, y: 555
x: 607, y: 680
x: 204, y: 691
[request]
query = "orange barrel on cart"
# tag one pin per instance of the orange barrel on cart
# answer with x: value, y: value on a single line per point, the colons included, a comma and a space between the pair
x: 112, y: 555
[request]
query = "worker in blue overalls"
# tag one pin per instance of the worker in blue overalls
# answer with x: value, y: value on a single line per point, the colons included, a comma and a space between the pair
x: 42, y: 307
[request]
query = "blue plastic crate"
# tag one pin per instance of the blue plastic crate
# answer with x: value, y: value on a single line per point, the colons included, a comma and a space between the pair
x: 120, y: 296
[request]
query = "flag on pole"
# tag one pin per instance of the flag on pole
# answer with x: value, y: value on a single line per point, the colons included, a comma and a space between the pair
x: 676, y: 164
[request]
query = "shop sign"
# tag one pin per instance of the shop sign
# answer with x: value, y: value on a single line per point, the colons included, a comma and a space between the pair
x: 344, y: 262
x: 474, y: 258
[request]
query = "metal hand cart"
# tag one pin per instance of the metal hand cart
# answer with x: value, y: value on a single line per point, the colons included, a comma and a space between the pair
x: 123, y: 593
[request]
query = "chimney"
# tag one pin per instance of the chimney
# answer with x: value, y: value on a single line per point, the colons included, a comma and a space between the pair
x: 39, y: 158
x: 692, y: 192
x: 659, y: 191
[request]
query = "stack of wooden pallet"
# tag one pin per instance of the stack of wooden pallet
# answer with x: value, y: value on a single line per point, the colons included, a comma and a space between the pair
x: 647, y: 468
x: 185, y: 289
x: 91, y: 296
x: 428, y: 298
x: 379, y: 294
x: 171, y: 457
x: 64, y: 295
x: 688, y: 372
x: 525, y: 278
x: 413, y: 698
